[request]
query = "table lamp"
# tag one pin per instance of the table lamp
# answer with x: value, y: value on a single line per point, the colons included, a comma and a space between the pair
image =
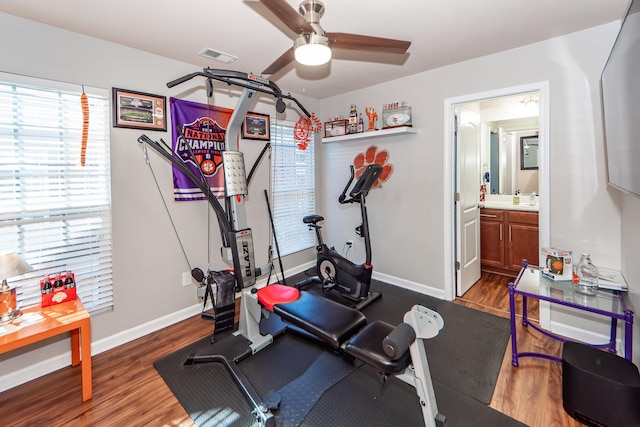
x: 11, y: 265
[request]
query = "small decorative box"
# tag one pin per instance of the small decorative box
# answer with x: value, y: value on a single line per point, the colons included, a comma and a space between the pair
x: 57, y: 288
x: 556, y: 264
x: 335, y: 128
x: 395, y: 117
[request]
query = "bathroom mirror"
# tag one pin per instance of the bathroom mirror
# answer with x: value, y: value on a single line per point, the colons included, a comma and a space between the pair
x: 529, y: 152
x: 504, y: 122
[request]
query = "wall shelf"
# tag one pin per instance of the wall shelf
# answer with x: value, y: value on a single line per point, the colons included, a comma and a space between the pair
x: 371, y: 134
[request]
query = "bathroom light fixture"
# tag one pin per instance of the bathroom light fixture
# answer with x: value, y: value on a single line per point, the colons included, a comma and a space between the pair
x: 530, y: 99
x: 312, y: 49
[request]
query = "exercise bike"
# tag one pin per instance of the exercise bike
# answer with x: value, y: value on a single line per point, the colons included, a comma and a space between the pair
x: 336, y: 272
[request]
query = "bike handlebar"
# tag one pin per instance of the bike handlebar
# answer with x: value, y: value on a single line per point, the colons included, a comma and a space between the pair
x: 343, y: 196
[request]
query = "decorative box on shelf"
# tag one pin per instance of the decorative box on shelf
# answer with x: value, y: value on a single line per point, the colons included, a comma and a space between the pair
x: 335, y: 128
x: 57, y: 288
x: 394, y: 117
x: 556, y: 264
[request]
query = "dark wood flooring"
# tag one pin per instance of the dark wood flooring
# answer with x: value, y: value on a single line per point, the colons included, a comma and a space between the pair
x: 128, y: 391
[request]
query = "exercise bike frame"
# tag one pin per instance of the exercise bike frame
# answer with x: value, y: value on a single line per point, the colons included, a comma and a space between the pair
x: 334, y: 270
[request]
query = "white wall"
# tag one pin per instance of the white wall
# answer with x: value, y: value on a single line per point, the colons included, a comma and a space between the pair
x: 406, y: 215
x: 631, y: 262
x: 147, y: 259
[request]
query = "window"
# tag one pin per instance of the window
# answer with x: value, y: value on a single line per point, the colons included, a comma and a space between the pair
x: 293, y: 189
x: 55, y: 213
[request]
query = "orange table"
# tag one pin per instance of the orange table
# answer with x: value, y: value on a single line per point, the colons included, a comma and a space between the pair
x: 39, y: 323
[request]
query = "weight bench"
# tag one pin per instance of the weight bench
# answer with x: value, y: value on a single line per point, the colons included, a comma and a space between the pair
x: 389, y: 349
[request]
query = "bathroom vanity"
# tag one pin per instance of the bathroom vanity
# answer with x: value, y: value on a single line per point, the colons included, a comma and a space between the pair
x: 508, y: 234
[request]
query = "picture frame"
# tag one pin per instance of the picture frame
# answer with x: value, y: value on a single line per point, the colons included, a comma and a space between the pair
x: 139, y: 110
x: 256, y: 126
x: 529, y: 152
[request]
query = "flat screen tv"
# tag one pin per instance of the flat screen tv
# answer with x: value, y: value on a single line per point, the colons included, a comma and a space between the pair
x: 620, y: 84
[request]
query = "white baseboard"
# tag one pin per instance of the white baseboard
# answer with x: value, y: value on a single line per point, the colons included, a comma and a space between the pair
x: 139, y: 331
x: 582, y: 335
x: 412, y: 286
x: 63, y: 360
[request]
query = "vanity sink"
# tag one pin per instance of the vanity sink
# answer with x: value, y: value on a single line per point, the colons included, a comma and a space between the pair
x: 506, y: 202
x: 510, y: 206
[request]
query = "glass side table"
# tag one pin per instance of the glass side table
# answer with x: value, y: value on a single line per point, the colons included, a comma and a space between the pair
x: 530, y: 284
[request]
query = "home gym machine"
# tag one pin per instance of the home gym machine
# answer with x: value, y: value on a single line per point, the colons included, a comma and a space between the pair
x: 391, y: 350
x: 334, y: 271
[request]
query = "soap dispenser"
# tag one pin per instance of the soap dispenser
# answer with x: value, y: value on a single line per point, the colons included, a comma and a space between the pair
x: 516, y: 198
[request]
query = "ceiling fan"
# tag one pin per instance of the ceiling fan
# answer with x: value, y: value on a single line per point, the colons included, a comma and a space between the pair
x: 313, y: 45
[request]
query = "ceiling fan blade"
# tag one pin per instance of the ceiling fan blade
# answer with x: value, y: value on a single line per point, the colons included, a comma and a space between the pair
x: 359, y: 42
x: 288, y: 15
x: 281, y: 62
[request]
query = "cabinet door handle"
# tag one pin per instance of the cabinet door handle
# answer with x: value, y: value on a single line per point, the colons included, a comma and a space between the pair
x: 500, y: 231
x: 489, y: 216
x: 509, y: 232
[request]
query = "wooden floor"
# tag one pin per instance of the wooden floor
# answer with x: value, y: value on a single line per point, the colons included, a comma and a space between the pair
x: 532, y: 392
x: 128, y: 391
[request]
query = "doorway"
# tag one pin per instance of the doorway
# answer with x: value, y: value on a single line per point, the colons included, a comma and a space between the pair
x: 455, y: 182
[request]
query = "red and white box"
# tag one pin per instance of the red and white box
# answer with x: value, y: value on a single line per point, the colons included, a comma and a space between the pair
x: 557, y: 264
x: 58, y: 288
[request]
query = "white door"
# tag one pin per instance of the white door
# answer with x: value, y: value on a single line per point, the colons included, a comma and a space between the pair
x: 467, y: 186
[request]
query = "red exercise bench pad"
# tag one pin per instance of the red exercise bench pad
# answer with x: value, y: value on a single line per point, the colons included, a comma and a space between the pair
x: 277, y: 294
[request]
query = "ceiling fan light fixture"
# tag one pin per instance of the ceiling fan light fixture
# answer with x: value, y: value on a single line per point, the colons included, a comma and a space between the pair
x: 312, y: 49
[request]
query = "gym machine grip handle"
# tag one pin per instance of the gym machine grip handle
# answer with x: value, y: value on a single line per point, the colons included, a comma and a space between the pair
x: 397, y: 343
x: 182, y: 79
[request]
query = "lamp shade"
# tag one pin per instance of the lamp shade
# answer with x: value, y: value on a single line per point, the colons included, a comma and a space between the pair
x: 12, y: 265
x: 312, y: 49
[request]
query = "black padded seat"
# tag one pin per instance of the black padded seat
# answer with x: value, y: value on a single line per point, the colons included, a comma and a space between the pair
x: 327, y: 320
x: 312, y: 219
x: 367, y: 346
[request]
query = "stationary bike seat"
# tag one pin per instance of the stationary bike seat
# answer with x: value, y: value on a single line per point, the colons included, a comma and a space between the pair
x: 312, y: 219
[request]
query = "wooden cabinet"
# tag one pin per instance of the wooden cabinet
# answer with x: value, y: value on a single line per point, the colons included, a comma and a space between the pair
x: 506, y: 238
x: 492, y: 238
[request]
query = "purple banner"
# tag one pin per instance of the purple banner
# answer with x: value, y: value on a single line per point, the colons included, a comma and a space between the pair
x: 198, y: 132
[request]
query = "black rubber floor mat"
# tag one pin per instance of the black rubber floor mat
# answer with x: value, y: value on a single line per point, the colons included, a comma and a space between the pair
x: 300, y: 395
x: 464, y: 360
x: 360, y: 399
x: 468, y: 351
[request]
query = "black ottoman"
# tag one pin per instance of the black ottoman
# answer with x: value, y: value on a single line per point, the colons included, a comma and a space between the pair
x: 598, y: 387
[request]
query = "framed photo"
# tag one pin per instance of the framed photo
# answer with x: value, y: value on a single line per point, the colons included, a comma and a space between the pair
x: 256, y: 126
x: 528, y: 152
x: 139, y: 110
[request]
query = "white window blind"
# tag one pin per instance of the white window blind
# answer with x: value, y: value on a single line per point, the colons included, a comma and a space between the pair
x: 293, y: 189
x: 54, y: 212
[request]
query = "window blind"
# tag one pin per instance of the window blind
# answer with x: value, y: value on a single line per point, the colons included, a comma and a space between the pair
x: 55, y: 213
x: 293, y: 189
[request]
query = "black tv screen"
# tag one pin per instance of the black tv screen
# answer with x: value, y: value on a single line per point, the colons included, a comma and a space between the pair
x: 620, y: 84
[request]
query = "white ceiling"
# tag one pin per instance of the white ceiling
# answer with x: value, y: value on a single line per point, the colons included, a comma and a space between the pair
x: 442, y: 32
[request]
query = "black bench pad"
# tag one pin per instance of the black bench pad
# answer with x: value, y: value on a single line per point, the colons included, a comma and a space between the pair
x: 367, y: 346
x: 329, y: 321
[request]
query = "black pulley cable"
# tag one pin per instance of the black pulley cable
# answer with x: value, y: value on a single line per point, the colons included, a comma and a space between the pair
x: 266, y: 147
x: 204, y: 179
x: 275, y: 239
x: 200, y: 183
x: 220, y: 213
x: 175, y: 230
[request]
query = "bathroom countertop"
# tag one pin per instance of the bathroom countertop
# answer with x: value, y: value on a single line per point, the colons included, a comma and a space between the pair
x: 523, y: 206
